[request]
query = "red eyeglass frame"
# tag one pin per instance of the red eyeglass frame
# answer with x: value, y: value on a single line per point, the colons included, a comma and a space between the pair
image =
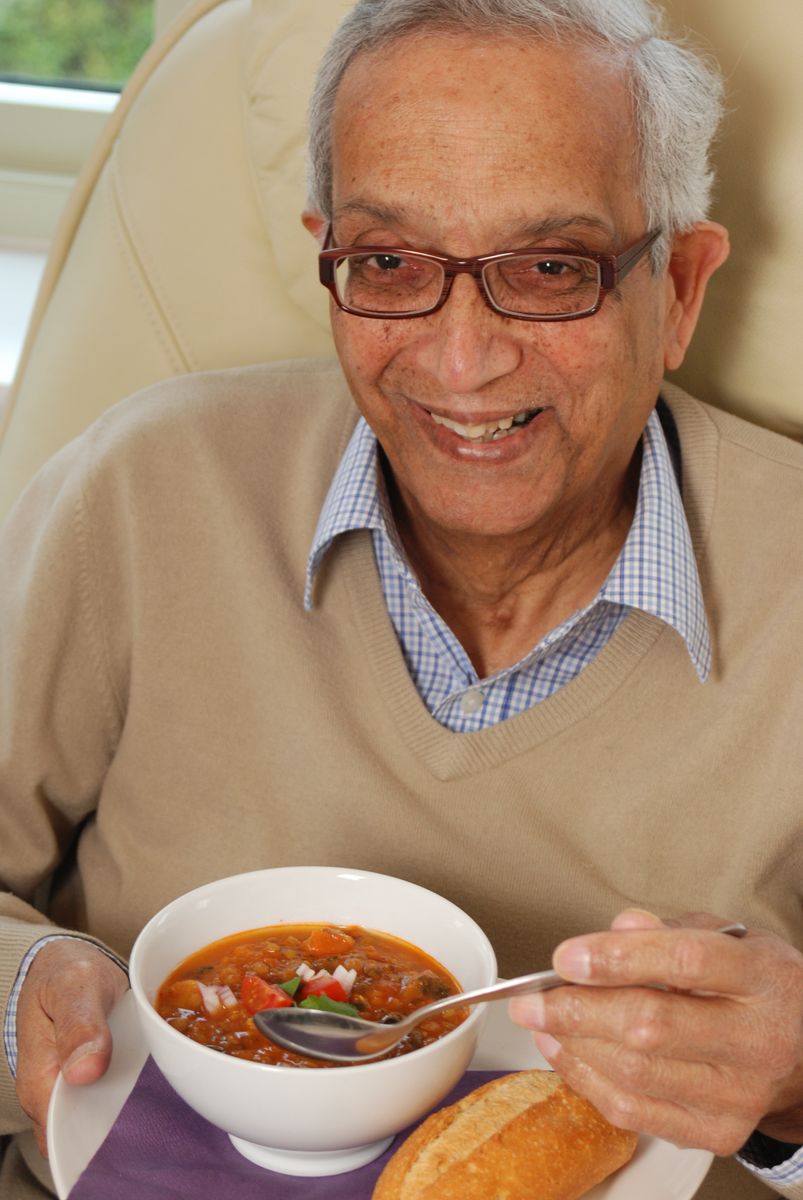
x: 612, y: 270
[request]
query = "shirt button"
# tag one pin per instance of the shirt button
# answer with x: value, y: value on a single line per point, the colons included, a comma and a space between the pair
x: 471, y: 703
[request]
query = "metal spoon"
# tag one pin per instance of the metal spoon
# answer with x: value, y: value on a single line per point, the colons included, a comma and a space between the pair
x: 339, y: 1038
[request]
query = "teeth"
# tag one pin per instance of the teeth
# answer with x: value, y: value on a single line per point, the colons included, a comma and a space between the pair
x: 489, y: 430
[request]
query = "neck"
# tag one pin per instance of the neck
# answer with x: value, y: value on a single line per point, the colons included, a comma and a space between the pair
x: 501, y: 595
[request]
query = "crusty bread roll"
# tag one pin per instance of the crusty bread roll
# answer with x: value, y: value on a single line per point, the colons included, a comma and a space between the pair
x: 525, y: 1136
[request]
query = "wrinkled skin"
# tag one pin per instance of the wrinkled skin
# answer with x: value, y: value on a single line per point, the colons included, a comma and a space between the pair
x: 697, y: 1070
x: 438, y: 147
x: 68, y: 993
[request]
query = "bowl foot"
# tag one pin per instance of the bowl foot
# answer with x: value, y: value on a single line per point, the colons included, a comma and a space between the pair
x: 310, y: 1162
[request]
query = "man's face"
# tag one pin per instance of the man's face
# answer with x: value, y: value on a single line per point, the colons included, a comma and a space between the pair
x: 469, y: 146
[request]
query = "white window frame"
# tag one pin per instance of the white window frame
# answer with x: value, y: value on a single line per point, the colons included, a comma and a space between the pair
x: 46, y: 134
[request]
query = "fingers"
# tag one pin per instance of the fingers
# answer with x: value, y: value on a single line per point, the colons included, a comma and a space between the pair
x: 61, y: 1023
x: 691, y: 1115
x: 646, y: 1021
x: 641, y: 918
x: 707, y: 1053
x: 685, y: 959
x: 693, y: 1084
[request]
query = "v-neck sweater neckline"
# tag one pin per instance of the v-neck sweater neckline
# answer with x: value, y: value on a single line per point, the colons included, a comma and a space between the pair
x: 447, y: 755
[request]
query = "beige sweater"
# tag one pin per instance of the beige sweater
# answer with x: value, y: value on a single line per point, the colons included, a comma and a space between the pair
x: 163, y: 689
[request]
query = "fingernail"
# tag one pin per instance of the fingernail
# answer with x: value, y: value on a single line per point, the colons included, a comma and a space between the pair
x: 635, y: 918
x: 573, y: 961
x: 547, y: 1045
x: 80, y: 1052
x: 528, y: 1011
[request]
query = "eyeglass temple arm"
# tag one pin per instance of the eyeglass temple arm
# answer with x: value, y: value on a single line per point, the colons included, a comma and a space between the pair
x: 627, y: 261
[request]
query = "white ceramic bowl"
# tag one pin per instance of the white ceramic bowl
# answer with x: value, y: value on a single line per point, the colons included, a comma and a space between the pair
x: 310, y: 1122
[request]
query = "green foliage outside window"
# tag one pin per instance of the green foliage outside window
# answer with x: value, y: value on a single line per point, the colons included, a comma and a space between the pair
x: 76, y: 41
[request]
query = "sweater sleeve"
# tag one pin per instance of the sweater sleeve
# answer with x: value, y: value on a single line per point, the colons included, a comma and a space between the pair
x: 59, y: 715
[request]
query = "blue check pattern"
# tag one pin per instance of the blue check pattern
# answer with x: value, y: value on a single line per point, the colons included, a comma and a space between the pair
x: 655, y: 572
x: 786, y: 1174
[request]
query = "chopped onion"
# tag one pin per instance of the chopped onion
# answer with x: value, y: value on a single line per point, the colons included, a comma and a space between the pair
x: 210, y: 997
x: 345, y: 978
x: 216, y: 996
x: 305, y: 971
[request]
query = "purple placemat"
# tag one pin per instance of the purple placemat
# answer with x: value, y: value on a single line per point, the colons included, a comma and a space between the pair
x: 159, y: 1147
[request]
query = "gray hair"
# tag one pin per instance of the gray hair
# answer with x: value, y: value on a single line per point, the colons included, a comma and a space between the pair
x: 677, y: 94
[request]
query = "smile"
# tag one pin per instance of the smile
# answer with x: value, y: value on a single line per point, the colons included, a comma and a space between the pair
x: 489, y: 431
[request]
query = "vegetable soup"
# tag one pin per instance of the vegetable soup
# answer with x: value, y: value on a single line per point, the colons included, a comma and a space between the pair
x: 212, y: 996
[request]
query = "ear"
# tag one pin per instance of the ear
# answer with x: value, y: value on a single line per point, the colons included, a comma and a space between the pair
x: 694, y: 256
x: 316, y: 223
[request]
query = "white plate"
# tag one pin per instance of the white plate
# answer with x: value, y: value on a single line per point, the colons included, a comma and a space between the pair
x: 81, y: 1117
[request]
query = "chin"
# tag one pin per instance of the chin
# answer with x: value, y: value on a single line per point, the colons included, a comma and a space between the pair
x: 482, y: 523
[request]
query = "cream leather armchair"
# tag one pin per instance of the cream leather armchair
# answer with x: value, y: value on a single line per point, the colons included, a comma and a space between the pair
x: 182, y: 249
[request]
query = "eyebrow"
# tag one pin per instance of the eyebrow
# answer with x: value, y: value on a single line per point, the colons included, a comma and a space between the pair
x: 561, y: 224
x: 385, y: 216
x: 524, y: 232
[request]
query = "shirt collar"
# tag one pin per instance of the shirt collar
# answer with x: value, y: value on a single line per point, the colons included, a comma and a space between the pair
x: 656, y: 570
x: 355, y: 500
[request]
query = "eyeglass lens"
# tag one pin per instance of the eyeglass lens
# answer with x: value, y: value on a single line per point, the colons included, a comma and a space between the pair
x: 528, y: 284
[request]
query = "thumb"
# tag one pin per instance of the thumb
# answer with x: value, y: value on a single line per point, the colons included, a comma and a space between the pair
x: 78, y: 1009
x: 83, y: 1039
x: 89, y: 1059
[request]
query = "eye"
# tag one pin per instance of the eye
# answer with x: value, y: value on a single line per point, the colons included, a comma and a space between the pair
x: 385, y: 263
x: 388, y: 269
x: 552, y: 271
x: 388, y: 262
x: 552, y: 266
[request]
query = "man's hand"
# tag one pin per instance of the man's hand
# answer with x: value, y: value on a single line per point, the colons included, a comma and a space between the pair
x: 703, y: 1063
x: 61, y: 1022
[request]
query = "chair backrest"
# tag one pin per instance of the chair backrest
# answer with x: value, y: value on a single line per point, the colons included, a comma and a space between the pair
x: 744, y: 356
x: 181, y: 248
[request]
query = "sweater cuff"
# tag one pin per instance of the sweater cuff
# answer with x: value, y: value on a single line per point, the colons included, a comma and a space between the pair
x: 766, y: 1152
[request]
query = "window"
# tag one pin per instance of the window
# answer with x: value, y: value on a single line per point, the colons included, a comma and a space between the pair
x: 62, y: 63
x: 47, y: 129
x: 91, y: 43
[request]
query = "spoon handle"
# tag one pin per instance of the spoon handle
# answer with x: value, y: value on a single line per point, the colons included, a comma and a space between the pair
x: 541, y: 981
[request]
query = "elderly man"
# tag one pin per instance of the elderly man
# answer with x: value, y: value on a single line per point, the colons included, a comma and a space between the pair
x: 534, y: 619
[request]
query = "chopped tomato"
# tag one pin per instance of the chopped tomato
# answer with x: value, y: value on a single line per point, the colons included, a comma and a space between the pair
x: 323, y: 985
x: 256, y: 994
x: 329, y: 941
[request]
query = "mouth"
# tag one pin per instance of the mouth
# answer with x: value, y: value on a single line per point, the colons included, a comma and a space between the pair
x: 489, y: 431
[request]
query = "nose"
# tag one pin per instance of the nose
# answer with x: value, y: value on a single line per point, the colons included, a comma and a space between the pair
x: 466, y: 345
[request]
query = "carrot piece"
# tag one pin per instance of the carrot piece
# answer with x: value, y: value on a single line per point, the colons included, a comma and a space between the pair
x: 329, y: 941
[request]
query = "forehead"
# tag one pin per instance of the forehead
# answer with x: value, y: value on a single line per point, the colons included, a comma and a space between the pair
x: 474, y: 135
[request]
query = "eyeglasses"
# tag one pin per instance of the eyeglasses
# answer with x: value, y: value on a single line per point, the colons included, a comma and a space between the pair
x: 532, y: 285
